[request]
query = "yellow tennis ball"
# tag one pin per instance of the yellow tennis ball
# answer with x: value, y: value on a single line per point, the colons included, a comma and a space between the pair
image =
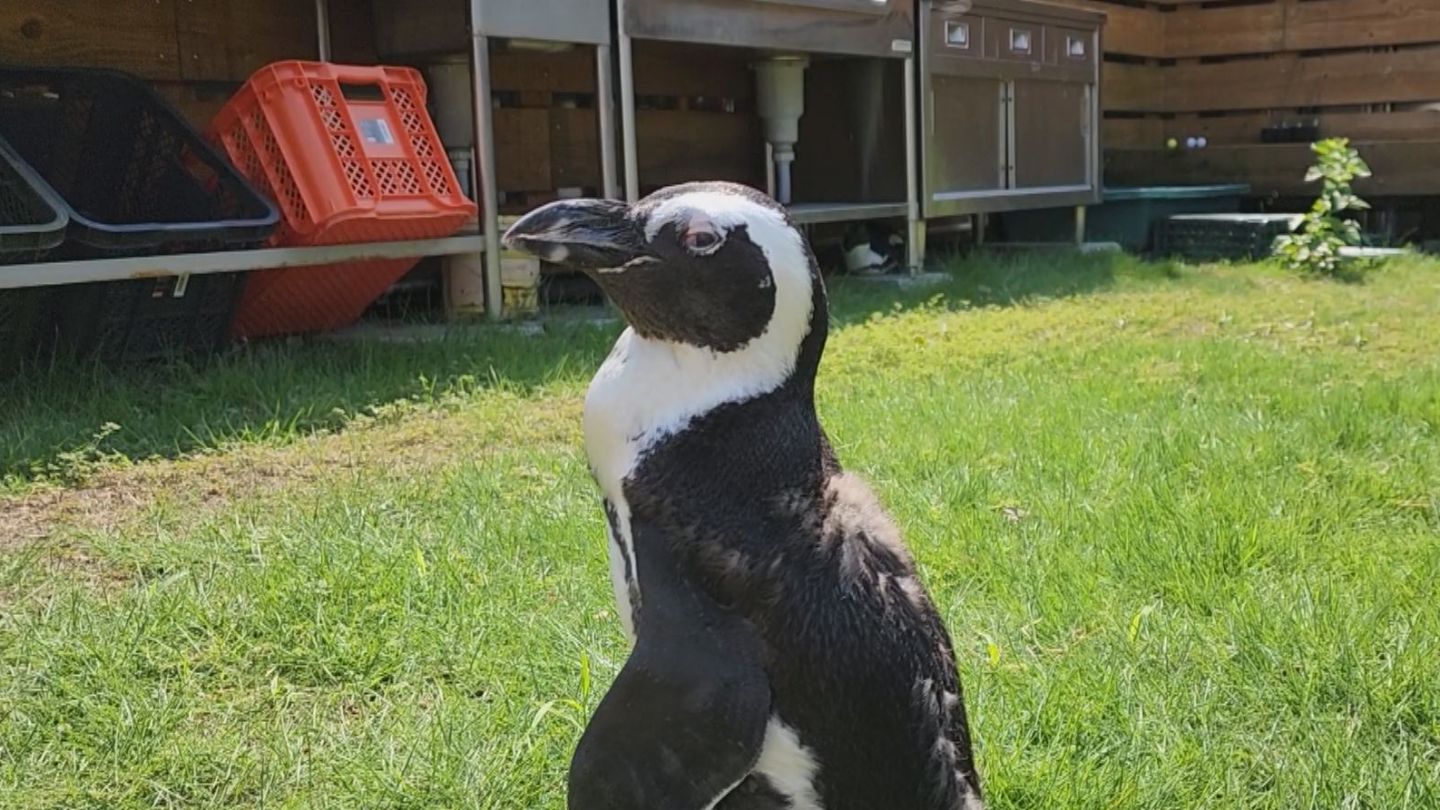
x: 1172, y: 144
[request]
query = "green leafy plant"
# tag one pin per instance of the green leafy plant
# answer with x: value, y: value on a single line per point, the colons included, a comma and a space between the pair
x: 1315, y: 245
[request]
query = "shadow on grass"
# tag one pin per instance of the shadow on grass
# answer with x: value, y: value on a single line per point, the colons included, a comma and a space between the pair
x: 57, y: 421
x: 1001, y: 277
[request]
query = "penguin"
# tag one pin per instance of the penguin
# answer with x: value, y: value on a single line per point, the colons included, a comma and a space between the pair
x: 785, y: 653
x: 872, y: 249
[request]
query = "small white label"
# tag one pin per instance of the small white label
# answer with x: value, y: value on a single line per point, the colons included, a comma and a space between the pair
x: 902, y: 45
x: 181, y: 285
x: 376, y: 130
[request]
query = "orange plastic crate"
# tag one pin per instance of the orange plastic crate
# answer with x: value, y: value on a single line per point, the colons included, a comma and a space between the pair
x: 349, y: 154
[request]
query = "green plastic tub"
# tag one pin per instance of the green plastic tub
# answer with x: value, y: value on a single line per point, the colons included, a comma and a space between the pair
x: 1126, y: 215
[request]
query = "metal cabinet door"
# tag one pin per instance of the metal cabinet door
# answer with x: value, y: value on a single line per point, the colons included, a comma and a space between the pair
x: 1052, y: 131
x: 967, y: 135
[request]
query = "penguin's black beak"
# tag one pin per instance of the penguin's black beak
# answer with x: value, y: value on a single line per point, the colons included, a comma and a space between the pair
x: 587, y: 235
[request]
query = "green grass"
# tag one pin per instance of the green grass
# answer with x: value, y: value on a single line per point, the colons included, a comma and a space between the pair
x: 1184, y: 524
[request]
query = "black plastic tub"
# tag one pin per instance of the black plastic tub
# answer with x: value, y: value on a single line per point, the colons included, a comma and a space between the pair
x: 32, y: 216
x: 32, y: 223
x: 134, y: 179
x: 135, y: 176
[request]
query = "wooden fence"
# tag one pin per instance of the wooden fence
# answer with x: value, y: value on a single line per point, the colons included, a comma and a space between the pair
x: 195, y: 52
x: 1227, y: 71
x: 1222, y: 69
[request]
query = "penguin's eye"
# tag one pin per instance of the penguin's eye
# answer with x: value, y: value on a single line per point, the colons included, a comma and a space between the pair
x: 701, y: 238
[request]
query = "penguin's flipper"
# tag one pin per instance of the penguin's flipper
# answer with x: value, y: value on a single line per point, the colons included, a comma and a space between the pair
x: 684, y: 722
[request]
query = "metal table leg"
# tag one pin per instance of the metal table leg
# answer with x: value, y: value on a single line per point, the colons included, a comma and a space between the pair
x: 605, y: 110
x: 322, y: 29
x: 915, y: 244
x: 485, y: 157
x: 627, y: 109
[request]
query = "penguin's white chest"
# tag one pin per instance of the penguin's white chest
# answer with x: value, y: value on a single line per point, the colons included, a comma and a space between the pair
x: 628, y: 408
x: 644, y: 392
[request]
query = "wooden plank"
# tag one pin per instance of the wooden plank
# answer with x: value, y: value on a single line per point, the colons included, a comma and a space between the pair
x: 200, y: 27
x: 1128, y: 30
x: 678, y: 146
x: 1400, y: 168
x: 1132, y: 88
x: 519, y: 71
x: 663, y: 69
x: 227, y: 40
x: 1361, y: 23
x: 1291, y: 81
x: 1243, y: 129
x: 352, y: 32
x: 1193, y: 32
x: 199, y: 103
x: 137, y: 36
x: 1317, y: 26
x: 522, y: 150
x: 575, y: 148
x: 265, y: 31
x: 1134, y: 31
x: 1133, y: 133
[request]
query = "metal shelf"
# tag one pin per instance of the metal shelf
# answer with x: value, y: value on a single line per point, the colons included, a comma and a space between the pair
x: 822, y: 213
x: 40, y: 274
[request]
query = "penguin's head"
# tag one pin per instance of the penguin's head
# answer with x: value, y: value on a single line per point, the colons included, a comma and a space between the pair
x: 713, y: 265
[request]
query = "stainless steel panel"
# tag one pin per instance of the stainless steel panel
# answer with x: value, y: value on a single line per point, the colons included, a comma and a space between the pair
x: 856, y: 27
x: 874, y: 7
x: 1052, y: 124
x: 1010, y: 124
x: 966, y: 135
x: 822, y: 213
x: 585, y: 21
x: 1011, y: 200
x: 419, y: 27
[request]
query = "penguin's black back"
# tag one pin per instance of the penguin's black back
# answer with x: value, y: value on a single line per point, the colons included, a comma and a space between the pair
x: 858, y: 660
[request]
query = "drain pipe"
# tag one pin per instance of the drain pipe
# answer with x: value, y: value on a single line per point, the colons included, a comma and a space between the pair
x: 780, y: 97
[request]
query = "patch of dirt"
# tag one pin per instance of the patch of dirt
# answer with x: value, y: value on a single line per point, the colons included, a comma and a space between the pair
x: 54, y: 521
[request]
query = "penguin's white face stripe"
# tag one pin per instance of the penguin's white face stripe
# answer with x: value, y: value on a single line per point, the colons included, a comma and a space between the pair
x: 649, y: 388
x: 720, y: 210
x: 635, y: 262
